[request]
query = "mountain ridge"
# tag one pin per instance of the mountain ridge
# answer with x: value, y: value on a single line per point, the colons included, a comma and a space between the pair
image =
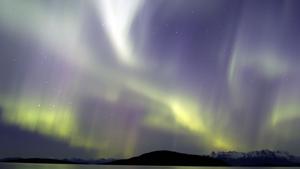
x: 172, y: 158
x: 258, y: 158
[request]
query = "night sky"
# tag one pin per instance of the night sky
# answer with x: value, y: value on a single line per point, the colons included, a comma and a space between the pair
x: 116, y: 78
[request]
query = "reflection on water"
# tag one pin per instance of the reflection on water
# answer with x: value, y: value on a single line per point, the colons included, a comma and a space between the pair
x: 68, y: 166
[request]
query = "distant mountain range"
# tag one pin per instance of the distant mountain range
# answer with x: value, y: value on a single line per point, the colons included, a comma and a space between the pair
x: 169, y: 158
x: 258, y: 158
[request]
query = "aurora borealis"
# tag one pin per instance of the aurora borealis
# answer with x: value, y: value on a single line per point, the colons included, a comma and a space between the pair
x: 115, y: 78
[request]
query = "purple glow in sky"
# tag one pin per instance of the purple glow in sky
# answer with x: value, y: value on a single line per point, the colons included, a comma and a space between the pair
x: 115, y: 78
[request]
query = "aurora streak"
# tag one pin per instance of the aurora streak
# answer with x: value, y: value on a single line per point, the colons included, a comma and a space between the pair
x: 115, y: 78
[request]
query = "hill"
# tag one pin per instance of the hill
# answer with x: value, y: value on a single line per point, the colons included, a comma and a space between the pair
x: 169, y: 158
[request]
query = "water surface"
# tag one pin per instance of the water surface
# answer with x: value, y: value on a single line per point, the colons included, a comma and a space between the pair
x: 71, y: 166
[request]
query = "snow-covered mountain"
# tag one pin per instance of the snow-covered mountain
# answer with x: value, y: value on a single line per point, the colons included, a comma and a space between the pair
x: 262, y: 157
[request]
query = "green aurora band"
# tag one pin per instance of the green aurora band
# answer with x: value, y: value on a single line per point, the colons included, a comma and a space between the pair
x: 51, y: 107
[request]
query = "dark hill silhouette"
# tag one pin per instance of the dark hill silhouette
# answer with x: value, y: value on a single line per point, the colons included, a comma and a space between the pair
x: 169, y: 158
x: 263, y: 158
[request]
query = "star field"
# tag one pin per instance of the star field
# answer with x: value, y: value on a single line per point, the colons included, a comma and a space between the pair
x: 109, y: 78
